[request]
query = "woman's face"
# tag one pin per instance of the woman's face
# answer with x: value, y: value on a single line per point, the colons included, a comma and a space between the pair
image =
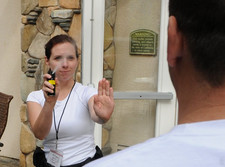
x: 63, y: 58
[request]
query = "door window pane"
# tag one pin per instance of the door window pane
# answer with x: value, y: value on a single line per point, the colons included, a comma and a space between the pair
x: 133, y: 121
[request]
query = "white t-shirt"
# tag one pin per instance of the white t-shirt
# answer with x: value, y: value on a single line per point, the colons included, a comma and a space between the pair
x: 76, y: 130
x: 188, y: 145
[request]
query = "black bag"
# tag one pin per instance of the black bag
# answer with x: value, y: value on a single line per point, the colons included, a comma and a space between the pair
x: 39, y: 159
x: 98, y: 153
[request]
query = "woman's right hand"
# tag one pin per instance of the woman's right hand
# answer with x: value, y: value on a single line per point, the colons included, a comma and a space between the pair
x: 48, y: 88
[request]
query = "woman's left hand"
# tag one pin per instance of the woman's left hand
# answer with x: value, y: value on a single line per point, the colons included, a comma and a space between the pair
x: 104, y: 101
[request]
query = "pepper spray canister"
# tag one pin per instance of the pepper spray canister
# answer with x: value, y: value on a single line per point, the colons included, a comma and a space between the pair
x: 51, y: 81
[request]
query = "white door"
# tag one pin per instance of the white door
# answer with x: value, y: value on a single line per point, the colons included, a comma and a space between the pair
x: 145, y: 99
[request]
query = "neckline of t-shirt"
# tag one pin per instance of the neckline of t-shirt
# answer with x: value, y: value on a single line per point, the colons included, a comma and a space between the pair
x: 61, y: 101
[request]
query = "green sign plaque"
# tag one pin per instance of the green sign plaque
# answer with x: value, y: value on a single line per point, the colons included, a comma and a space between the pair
x: 143, y: 42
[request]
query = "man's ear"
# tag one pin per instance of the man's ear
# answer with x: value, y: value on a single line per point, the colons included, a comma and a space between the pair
x: 175, y: 42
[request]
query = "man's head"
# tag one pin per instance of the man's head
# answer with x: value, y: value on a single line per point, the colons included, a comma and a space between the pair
x: 202, y: 25
x: 59, y: 39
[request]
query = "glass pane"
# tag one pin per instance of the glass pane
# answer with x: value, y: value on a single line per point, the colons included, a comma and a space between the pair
x: 131, y: 63
x: 132, y: 122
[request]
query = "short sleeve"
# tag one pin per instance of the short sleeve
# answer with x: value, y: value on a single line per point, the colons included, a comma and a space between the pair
x: 85, y: 92
x: 36, y: 96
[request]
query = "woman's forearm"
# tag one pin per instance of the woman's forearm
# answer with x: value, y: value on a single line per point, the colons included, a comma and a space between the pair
x: 43, y: 123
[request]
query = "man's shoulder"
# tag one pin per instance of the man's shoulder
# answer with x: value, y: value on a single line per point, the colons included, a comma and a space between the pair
x: 137, y: 155
x: 183, y: 146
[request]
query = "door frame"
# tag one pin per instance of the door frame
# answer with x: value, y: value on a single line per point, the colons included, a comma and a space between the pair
x: 166, y: 112
x: 92, y: 48
x: 92, y: 62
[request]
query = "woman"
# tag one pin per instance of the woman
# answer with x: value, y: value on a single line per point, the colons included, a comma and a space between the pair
x: 65, y: 121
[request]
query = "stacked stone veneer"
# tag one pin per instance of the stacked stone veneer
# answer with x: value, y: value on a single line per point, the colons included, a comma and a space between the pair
x: 43, y: 19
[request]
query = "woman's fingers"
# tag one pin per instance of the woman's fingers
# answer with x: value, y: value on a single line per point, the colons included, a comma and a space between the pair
x: 111, y: 93
x: 100, y: 87
x: 48, y: 87
x: 104, y: 87
x: 107, y: 87
x: 46, y: 77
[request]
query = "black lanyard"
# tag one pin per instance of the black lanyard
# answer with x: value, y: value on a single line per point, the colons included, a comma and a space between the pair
x: 57, y: 128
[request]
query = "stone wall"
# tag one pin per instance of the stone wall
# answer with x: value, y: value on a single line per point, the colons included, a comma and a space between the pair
x: 43, y: 19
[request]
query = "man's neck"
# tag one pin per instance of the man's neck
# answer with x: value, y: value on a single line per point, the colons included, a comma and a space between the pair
x: 203, y: 114
x: 199, y: 106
